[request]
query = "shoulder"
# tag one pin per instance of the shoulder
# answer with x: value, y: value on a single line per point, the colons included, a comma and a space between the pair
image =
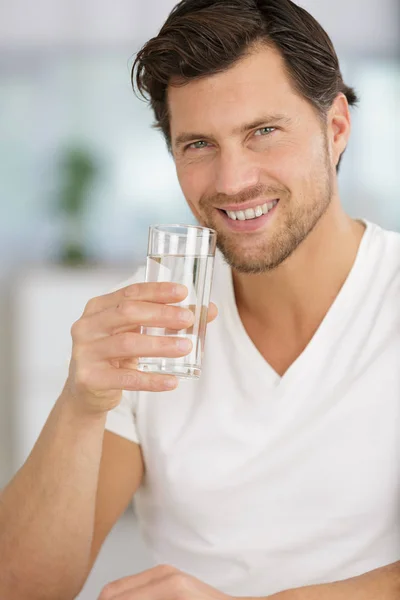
x: 385, y: 245
x: 384, y: 269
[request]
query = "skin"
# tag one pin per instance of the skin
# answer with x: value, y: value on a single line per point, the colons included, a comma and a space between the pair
x: 59, y: 507
x: 286, y: 275
x: 79, y: 479
x: 165, y: 582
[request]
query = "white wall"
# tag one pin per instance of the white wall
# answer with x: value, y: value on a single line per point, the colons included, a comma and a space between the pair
x: 359, y: 26
x: 367, y: 26
x: 6, y: 392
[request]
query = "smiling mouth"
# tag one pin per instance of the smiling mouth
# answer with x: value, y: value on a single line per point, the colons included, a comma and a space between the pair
x: 250, y: 213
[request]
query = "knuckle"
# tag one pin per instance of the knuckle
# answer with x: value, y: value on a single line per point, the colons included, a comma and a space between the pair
x: 177, y: 582
x: 91, y: 305
x: 107, y: 592
x: 129, y: 381
x: 165, y: 570
x: 164, y: 343
x: 80, y: 329
x: 124, y: 308
x: 76, y: 329
x: 132, y: 291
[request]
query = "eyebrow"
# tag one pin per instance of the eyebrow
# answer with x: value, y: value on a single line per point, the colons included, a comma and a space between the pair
x: 184, y: 138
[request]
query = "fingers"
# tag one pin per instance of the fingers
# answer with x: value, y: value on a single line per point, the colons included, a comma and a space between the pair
x: 104, y: 379
x: 212, y: 312
x: 161, y: 583
x: 134, y: 345
x: 161, y: 292
x: 128, y: 315
x: 107, y: 342
x: 137, y: 583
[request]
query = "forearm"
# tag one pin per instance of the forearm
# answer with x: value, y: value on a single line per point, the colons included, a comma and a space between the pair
x: 47, y: 510
x: 380, y: 584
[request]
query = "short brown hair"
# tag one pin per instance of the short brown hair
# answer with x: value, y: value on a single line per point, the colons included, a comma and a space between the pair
x: 204, y: 37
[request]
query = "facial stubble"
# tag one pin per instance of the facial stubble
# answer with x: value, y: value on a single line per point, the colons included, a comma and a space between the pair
x: 259, y: 253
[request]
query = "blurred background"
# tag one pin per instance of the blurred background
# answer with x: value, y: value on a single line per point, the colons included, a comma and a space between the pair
x: 83, y: 175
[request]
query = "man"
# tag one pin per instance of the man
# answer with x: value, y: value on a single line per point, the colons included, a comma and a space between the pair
x: 277, y: 474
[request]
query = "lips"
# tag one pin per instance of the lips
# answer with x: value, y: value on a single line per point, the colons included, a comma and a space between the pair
x: 246, y: 205
x: 248, y: 225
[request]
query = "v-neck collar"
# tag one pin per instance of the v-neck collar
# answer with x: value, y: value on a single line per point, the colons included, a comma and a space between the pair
x: 255, y: 365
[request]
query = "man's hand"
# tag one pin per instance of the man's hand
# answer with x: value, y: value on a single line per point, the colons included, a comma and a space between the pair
x: 165, y: 582
x: 160, y: 583
x: 107, y: 343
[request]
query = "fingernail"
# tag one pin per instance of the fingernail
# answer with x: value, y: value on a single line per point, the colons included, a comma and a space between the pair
x: 170, y: 383
x: 180, y: 289
x: 186, y: 315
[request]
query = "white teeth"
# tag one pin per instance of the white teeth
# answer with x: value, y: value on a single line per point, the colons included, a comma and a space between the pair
x: 251, y: 213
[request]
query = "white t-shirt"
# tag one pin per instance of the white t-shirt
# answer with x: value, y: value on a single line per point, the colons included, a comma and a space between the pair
x: 257, y: 483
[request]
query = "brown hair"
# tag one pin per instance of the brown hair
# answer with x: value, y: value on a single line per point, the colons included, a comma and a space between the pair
x: 204, y: 37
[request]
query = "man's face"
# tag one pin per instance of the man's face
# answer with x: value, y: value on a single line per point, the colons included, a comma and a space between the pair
x: 242, y: 140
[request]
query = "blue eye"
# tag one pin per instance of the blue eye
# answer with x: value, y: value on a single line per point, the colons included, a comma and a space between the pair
x: 198, y: 145
x: 264, y: 131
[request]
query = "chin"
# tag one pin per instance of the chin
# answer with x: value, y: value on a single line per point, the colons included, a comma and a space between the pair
x: 249, y: 261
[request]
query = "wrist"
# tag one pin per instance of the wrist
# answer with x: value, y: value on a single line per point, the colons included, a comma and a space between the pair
x: 75, y: 408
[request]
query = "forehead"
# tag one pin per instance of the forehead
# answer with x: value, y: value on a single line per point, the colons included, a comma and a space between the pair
x: 257, y: 84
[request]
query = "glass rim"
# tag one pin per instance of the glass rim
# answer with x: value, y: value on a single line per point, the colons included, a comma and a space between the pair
x: 163, y: 228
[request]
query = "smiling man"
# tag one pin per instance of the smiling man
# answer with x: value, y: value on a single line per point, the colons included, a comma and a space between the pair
x: 277, y: 475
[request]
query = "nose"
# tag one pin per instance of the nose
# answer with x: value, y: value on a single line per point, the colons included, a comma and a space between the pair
x: 235, y: 172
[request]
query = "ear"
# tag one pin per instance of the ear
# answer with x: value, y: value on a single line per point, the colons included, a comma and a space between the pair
x: 339, y: 127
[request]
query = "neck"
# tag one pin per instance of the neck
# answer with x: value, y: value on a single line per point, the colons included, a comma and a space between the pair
x: 294, y: 298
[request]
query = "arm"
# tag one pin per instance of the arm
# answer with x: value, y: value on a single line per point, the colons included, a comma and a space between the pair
x: 51, y: 525
x: 380, y: 584
x: 61, y: 504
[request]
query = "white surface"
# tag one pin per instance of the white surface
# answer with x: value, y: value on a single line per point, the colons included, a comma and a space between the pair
x: 355, y: 25
x: 46, y: 302
x: 258, y: 483
x: 367, y: 26
x: 61, y: 22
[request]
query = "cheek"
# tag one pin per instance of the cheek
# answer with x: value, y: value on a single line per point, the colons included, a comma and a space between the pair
x: 294, y: 162
x: 194, y: 181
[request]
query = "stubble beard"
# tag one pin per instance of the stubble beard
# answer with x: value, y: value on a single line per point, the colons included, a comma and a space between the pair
x: 257, y: 253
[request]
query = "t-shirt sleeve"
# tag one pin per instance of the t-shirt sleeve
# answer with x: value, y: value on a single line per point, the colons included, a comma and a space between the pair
x: 122, y: 419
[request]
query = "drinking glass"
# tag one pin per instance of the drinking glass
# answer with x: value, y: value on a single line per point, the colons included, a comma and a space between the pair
x: 182, y: 254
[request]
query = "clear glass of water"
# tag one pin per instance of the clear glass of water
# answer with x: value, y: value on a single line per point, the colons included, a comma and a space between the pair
x: 182, y: 254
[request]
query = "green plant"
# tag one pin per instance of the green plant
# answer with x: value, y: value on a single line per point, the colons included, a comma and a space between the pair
x: 78, y: 171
